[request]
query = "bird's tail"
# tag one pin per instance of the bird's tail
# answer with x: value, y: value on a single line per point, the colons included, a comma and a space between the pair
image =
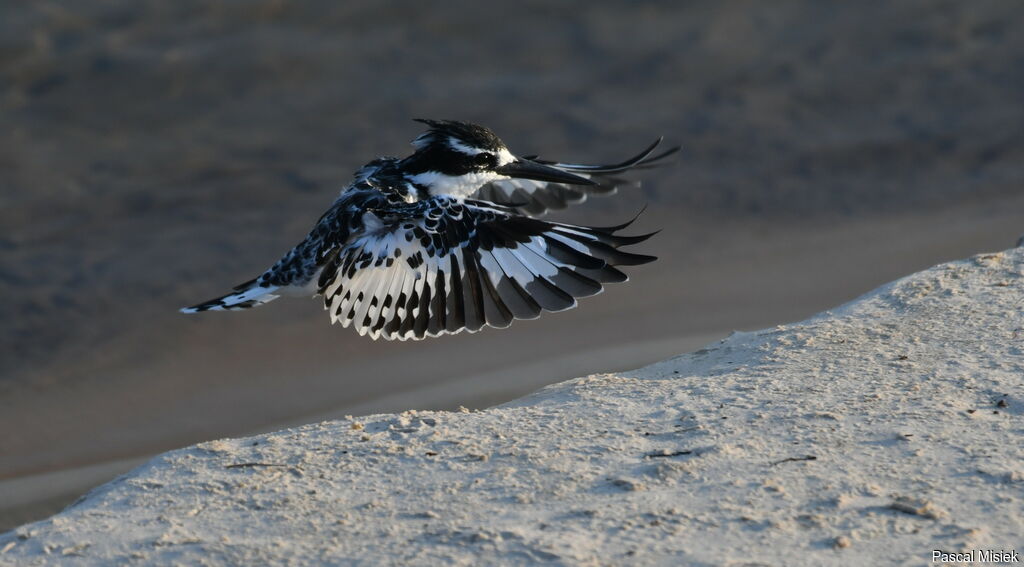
x: 249, y: 294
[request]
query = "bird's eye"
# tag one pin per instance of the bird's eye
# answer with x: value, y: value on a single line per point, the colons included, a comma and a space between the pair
x: 484, y: 158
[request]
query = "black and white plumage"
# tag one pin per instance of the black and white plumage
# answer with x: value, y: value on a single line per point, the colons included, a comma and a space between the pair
x: 445, y: 240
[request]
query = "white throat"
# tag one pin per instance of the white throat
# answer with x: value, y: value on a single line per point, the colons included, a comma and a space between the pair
x: 454, y: 185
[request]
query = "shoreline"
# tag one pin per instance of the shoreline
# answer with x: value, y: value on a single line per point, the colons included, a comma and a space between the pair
x: 30, y: 497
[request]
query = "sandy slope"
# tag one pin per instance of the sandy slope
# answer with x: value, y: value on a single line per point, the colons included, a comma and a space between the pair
x: 873, y: 433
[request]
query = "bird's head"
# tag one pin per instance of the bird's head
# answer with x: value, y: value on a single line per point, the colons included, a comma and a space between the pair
x: 457, y: 158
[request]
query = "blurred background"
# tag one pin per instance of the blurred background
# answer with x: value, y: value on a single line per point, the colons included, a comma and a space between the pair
x: 153, y: 154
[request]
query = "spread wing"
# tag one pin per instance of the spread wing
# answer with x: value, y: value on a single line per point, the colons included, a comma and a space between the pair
x: 534, y: 198
x: 445, y: 265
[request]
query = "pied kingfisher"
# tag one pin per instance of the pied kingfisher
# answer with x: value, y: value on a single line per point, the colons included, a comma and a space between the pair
x: 446, y: 240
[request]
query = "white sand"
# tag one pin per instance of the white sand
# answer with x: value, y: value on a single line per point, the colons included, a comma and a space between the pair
x: 871, y: 434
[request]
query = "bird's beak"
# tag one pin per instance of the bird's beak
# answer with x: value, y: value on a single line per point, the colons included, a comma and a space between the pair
x: 526, y: 169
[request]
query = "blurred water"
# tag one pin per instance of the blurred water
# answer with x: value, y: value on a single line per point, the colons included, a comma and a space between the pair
x: 134, y: 131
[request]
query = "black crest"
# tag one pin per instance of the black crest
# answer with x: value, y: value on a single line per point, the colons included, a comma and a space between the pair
x: 471, y: 134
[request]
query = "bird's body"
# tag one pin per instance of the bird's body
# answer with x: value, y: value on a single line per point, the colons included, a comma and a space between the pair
x: 444, y: 241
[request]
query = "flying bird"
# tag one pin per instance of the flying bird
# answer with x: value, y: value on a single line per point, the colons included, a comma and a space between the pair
x: 448, y: 239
